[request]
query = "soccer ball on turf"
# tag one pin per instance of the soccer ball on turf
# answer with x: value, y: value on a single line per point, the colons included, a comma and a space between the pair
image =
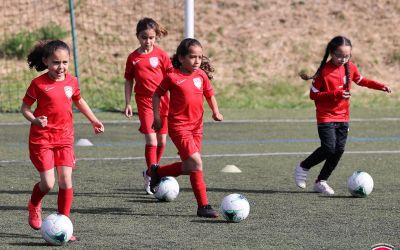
x: 168, y: 189
x: 235, y: 208
x: 360, y: 184
x: 57, y: 229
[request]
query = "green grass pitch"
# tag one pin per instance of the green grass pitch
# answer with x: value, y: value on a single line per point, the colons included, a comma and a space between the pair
x: 111, y: 210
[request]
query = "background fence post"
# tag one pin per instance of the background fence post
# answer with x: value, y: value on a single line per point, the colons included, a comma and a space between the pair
x: 73, y: 31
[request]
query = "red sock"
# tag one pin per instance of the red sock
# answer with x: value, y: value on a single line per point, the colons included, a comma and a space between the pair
x: 160, y: 151
x: 64, y: 200
x: 199, y: 187
x: 173, y: 169
x: 150, y: 153
x: 37, y: 195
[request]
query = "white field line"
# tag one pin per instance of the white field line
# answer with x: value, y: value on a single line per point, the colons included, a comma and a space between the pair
x: 383, y: 119
x: 217, y: 155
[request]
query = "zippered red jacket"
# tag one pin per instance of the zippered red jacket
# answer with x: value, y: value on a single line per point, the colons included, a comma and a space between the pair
x: 327, y: 90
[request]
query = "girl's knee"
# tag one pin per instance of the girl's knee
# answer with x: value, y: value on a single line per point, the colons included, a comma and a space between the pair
x: 65, y: 183
x: 47, y: 185
x: 193, y: 165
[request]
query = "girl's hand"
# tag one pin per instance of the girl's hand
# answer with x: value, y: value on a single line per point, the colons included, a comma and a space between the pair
x: 218, y: 117
x: 128, y: 111
x: 387, y: 89
x: 346, y: 94
x: 98, y: 127
x: 40, y: 121
x: 157, y: 124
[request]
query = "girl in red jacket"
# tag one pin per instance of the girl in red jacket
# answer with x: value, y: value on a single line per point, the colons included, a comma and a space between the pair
x: 147, y: 66
x: 51, y: 136
x: 188, y: 84
x: 330, y: 91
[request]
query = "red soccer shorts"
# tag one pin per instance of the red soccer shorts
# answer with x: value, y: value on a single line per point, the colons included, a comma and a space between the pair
x: 146, y: 116
x: 187, y: 142
x: 47, y: 157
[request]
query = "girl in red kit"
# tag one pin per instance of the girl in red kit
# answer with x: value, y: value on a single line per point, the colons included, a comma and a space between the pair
x: 330, y: 91
x: 188, y: 84
x: 147, y: 66
x: 51, y: 136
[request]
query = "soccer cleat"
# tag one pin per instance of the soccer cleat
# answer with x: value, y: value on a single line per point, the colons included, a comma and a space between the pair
x: 146, y: 180
x: 323, y: 187
x: 35, y: 215
x: 73, y: 238
x: 155, y: 178
x: 300, y: 176
x: 206, y: 211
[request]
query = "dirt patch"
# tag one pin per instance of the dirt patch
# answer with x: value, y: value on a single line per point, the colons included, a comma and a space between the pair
x: 248, y: 41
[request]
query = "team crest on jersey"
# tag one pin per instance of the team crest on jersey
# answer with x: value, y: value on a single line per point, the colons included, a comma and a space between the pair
x: 197, y: 82
x: 68, y: 91
x: 154, y: 62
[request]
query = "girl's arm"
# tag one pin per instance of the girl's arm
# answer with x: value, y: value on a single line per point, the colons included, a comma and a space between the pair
x: 212, y: 103
x: 317, y: 95
x: 374, y: 85
x: 26, y: 111
x: 85, y: 109
x: 329, y: 95
x: 157, y: 124
x: 128, y: 94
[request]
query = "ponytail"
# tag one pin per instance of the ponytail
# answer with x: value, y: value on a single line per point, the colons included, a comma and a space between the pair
x: 305, y: 77
x: 43, y: 49
x: 347, y: 72
x: 149, y: 23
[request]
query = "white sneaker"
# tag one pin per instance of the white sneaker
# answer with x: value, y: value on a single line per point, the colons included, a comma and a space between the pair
x: 146, y: 182
x: 300, y: 176
x: 323, y: 187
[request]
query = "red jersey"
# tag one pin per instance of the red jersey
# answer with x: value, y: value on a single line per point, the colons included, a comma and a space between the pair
x: 187, y: 93
x: 54, y: 100
x: 327, y: 90
x: 148, y: 70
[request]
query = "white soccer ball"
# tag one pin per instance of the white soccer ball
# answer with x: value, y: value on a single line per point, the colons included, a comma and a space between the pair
x: 360, y: 184
x: 57, y: 229
x: 235, y: 208
x: 167, y: 190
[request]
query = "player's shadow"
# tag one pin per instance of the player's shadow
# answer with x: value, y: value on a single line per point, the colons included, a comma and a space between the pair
x: 211, y: 221
x: 15, y: 191
x: 338, y: 196
x: 121, y: 211
x: 254, y: 191
x: 30, y: 244
x: 23, y: 236
x: 20, y: 236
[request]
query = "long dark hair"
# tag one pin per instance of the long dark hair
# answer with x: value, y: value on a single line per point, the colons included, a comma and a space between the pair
x: 44, y: 49
x: 333, y: 44
x: 183, y: 50
x: 149, y: 23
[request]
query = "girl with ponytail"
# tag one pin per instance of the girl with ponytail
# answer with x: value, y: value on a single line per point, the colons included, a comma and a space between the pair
x: 330, y: 90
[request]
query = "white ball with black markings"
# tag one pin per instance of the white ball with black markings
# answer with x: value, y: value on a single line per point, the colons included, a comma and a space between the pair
x: 360, y: 184
x: 235, y: 208
x: 57, y: 229
x: 168, y: 189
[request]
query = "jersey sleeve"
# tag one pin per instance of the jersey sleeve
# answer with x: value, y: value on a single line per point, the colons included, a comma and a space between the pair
x: 31, y: 94
x: 208, y: 90
x: 362, y: 81
x: 318, y: 94
x: 76, y: 96
x: 164, y: 86
x: 129, y: 69
x: 166, y: 63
